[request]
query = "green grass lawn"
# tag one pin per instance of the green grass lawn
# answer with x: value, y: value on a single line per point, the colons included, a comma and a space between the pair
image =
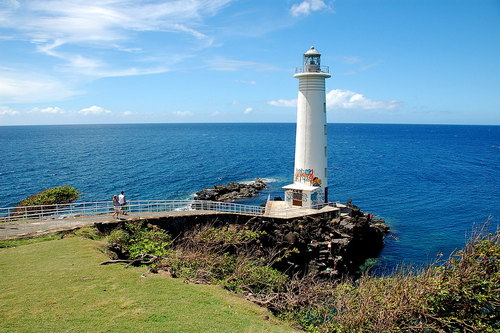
x: 59, y: 286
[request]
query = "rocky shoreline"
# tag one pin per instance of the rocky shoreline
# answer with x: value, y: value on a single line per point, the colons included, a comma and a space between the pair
x: 231, y: 191
x: 322, y: 245
x: 326, y: 246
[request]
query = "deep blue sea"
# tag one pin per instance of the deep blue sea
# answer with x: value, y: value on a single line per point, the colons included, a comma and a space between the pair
x: 431, y: 183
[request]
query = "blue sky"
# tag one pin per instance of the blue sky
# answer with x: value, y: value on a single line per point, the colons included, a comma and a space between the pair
x: 131, y: 61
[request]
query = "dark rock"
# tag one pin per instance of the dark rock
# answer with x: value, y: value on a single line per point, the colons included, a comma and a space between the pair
x: 291, y: 237
x: 231, y: 191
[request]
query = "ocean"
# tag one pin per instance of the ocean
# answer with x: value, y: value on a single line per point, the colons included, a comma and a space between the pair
x: 432, y: 184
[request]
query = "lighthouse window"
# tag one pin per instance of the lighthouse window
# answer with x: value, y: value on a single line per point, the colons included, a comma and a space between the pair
x: 324, y: 107
x: 325, y: 129
x: 326, y: 152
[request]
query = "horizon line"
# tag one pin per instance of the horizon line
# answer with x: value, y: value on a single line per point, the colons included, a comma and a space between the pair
x: 246, y: 122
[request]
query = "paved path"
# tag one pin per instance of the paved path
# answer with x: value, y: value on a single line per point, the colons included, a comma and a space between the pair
x: 35, y: 228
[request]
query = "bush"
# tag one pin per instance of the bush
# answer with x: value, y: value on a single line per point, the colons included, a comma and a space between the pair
x: 466, y: 290
x: 49, y: 198
x: 460, y: 296
x: 255, y: 278
x: 228, y: 255
x: 57, y: 195
x: 227, y: 236
x: 137, y: 239
x: 88, y: 232
x: 150, y: 241
x: 119, y: 237
x: 202, y: 267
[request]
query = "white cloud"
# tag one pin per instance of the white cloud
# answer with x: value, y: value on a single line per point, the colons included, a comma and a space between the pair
x: 215, y: 114
x: 231, y: 65
x: 350, y: 59
x: 306, y: 7
x: 98, y: 21
x: 193, y: 32
x: 128, y: 113
x: 6, y: 111
x: 248, y: 110
x: 283, y: 102
x: 246, y: 82
x: 183, y: 113
x: 346, y: 99
x: 48, y: 110
x: 94, y: 110
x: 67, y: 29
x: 25, y: 87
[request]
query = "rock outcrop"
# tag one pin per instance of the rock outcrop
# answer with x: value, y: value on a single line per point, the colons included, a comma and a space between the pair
x: 231, y: 191
x: 329, y: 245
x: 332, y: 247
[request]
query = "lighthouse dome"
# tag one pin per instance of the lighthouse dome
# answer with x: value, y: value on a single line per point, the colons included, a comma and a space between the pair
x: 312, y: 51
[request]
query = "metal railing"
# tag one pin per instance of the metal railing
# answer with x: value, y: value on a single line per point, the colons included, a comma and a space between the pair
x: 312, y: 69
x: 83, y: 209
x: 62, y: 211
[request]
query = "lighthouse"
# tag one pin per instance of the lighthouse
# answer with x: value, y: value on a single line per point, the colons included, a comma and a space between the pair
x: 310, y: 179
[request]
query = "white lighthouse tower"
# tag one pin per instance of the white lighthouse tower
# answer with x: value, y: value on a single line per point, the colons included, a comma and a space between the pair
x: 310, y: 182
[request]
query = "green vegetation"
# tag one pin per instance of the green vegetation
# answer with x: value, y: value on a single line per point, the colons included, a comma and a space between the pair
x: 88, y: 232
x: 136, y: 239
x: 59, y: 286
x: 225, y: 256
x: 227, y: 236
x: 57, y: 195
x: 228, y: 256
x: 460, y: 295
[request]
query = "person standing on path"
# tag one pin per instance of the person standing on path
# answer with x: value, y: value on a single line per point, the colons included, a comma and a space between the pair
x: 116, y: 206
x: 123, y: 202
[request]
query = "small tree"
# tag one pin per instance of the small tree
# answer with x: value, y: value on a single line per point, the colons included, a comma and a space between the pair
x: 48, y: 198
x: 57, y: 195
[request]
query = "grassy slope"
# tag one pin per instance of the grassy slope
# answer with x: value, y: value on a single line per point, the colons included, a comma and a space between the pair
x: 59, y: 286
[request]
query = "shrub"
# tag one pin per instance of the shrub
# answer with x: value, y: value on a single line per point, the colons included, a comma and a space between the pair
x: 466, y: 290
x: 57, y: 195
x: 255, y: 278
x: 49, y: 198
x: 150, y: 241
x: 227, y: 236
x: 137, y: 239
x: 460, y: 296
x: 88, y: 232
x: 230, y: 256
x: 202, y: 267
x: 119, y: 237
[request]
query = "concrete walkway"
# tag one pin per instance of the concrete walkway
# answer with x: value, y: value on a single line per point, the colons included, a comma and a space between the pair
x: 24, y: 229
x: 279, y: 209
